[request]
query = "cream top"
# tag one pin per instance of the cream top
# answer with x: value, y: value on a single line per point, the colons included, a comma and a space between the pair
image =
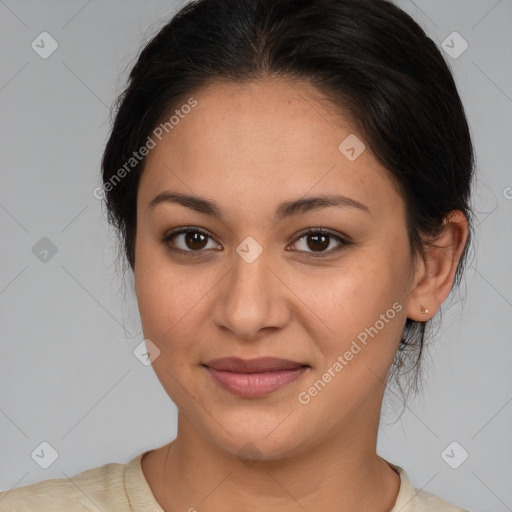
x: 123, y: 488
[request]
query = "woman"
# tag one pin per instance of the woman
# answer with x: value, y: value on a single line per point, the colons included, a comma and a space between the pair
x: 290, y: 181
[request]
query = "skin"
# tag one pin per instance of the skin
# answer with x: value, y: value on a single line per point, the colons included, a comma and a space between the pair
x: 248, y: 148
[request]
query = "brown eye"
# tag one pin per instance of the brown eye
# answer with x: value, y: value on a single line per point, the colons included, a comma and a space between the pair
x: 318, y: 241
x: 195, y: 240
x: 191, y: 240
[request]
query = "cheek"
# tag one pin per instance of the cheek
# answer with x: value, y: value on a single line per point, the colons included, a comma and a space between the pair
x: 168, y: 301
x: 351, y: 296
x: 162, y: 294
x: 361, y: 301
x: 173, y: 302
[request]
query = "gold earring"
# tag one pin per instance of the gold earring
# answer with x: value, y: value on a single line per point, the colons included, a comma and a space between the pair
x: 424, y: 311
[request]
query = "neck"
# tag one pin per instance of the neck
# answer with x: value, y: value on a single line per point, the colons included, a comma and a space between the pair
x: 342, y: 473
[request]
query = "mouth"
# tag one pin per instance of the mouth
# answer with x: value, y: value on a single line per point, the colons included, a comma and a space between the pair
x: 253, y: 378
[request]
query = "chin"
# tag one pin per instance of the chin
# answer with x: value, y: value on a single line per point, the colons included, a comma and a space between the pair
x: 261, y: 443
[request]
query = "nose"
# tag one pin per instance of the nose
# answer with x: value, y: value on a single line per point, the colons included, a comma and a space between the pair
x: 253, y: 299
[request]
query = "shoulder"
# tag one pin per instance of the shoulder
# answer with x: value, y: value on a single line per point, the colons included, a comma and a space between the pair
x: 410, y: 499
x: 92, y: 490
x: 424, y: 501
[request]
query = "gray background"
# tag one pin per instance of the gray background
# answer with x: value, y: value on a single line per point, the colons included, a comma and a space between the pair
x: 68, y: 375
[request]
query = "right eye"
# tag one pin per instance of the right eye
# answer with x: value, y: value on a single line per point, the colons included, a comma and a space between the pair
x: 192, y: 240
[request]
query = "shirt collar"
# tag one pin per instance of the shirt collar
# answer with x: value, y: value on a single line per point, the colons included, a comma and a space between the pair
x: 141, y: 498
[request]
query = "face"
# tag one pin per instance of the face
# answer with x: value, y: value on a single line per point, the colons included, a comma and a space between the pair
x: 247, y: 281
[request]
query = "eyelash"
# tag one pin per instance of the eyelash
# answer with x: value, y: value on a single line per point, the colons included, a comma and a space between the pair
x: 317, y: 231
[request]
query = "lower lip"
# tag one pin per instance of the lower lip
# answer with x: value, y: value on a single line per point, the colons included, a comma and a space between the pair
x: 254, y: 385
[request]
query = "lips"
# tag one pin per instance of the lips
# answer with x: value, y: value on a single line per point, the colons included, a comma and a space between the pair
x: 254, y: 378
x: 259, y: 365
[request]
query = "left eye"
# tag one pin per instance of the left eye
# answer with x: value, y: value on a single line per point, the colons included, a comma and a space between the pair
x: 194, y: 240
x: 319, y: 240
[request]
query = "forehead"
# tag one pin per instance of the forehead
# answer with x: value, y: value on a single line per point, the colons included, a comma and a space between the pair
x: 264, y: 141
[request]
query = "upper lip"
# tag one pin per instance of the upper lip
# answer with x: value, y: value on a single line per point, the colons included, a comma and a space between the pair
x: 261, y: 364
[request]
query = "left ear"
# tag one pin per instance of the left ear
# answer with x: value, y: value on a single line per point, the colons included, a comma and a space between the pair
x: 435, y: 273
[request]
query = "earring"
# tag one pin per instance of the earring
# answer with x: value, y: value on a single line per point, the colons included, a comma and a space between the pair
x: 424, y: 311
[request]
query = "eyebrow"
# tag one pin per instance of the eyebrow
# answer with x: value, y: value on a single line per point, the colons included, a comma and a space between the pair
x: 285, y: 209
